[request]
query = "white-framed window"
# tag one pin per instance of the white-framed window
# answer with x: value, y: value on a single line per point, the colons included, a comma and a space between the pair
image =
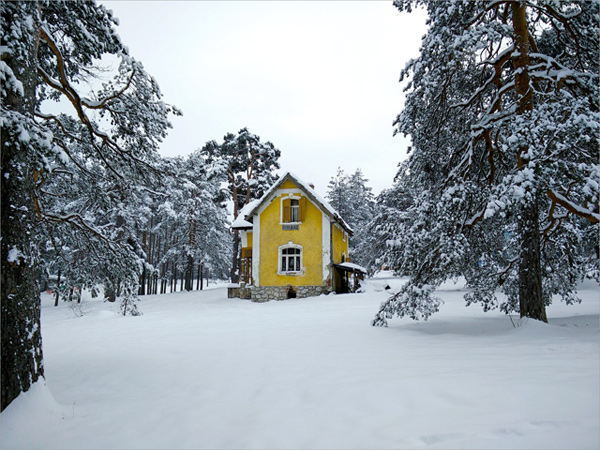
x: 294, y: 210
x: 290, y: 259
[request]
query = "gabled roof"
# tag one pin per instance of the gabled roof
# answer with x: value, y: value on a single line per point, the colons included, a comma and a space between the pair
x: 251, y: 208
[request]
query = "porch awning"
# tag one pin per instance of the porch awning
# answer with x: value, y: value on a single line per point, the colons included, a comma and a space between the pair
x: 350, y: 267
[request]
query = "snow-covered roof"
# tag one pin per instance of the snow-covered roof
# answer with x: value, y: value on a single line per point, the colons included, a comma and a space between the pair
x: 240, y: 221
x: 248, y: 211
x: 352, y: 267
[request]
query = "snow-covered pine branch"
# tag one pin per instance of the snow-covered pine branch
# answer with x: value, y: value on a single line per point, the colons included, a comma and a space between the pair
x: 503, y: 112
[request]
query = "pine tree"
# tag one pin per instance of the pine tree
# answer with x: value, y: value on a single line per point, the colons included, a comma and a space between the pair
x: 249, y: 166
x: 382, y: 246
x: 354, y: 201
x: 48, y: 49
x: 338, y: 194
x: 502, y: 109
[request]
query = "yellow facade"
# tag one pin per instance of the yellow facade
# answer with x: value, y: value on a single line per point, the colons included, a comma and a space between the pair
x: 295, y: 240
x: 339, y: 239
x: 309, y: 236
x: 288, y: 185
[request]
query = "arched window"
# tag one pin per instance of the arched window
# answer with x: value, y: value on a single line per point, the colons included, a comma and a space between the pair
x: 290, y: 259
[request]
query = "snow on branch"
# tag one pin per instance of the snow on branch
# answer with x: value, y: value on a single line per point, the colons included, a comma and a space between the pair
x: 573, y: 208
x: 412, y: 301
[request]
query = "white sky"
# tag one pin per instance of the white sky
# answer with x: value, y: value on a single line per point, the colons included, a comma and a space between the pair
x: 317, y: 79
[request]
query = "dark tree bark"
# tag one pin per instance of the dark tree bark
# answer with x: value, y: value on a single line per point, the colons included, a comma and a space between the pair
x: 189, y: 273
x: 57, y: 292
x: 22, y: 362
x: 110, y: 292
x: 531, y: 300
x: 235, y: 263
x: 200, y: 276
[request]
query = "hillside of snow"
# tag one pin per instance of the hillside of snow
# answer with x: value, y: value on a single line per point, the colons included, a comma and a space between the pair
x: 198, y: 370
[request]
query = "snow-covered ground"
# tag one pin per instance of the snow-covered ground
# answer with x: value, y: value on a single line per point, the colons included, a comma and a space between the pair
x: 198, y: 370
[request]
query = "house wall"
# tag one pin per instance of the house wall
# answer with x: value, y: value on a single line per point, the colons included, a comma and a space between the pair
x: 288, y: 185
x: 309, y: 236
x: 340, y: 245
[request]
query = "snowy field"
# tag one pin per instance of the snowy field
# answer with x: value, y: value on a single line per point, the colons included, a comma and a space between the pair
x: 198, y: 370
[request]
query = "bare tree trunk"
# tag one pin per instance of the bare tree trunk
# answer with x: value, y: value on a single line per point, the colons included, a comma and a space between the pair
x: 235, y: 263
x: 57, y: 291
x: 150, y: 256
x: 199, y: 277
x: 200, y: 270
x: 142, y: 288
x: 531, y: 300
x: 110, y: 292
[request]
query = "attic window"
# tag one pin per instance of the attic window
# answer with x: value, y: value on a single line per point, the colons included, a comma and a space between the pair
x: 292, y: 210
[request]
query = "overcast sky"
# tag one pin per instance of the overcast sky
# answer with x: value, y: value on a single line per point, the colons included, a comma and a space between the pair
x: 317, y: 79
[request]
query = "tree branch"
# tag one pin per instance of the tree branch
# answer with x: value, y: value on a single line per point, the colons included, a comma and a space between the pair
x: 573, y: 208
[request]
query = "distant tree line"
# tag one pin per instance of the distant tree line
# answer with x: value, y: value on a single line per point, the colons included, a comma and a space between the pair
x: 174, y: 229
x: 86, y: 198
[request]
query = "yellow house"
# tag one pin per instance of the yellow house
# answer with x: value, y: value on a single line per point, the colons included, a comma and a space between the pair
x: 294, y: 244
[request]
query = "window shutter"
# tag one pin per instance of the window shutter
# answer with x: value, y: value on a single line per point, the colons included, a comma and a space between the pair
x: 302, y: 208
x: 287, y: 203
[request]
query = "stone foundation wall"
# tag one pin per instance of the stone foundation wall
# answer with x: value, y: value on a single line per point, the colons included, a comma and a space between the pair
x: 239, y: 292
x: 266, y: 293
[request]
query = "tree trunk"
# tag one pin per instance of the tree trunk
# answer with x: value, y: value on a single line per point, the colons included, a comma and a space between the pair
x: 57, y: 294
x: 200, y: 273
x: 142, y: 288
x: 235, y: 271
x: 110, y: 292
x: 199, y: 277
x: 150, y: 256
x: 531, y: 299
x: 22, y: 361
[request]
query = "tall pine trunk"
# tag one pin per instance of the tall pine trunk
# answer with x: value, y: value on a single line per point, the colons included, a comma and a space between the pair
x: 235, y: 263
x: 189, y: 273
x: 531, y: 300
x: 22, y: 362
x: 56, y: 293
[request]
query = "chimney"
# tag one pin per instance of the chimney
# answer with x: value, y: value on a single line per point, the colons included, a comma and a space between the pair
x: 312, y: 186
